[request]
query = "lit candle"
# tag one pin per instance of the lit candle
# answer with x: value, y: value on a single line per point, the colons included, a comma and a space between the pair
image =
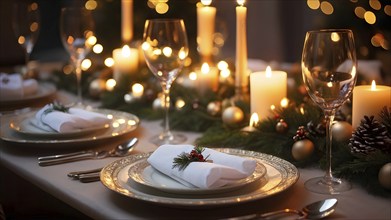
x: 205, y: 29
x: 267, y: 88
x: 137, y: 90
x: 241, y: 79
x: 369, y: 100
x: 125, y: 61
x: 127, y: 20
x: 208, y: 78
x: 254, y: 119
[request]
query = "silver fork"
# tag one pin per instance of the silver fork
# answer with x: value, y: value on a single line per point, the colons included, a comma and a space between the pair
x: 75, y: 157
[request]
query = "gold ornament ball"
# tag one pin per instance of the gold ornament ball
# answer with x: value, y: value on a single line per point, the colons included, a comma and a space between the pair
x: 385, y: 176
x: 302, y: 149
x: 232, y: 115
x: 281, y: 126
x: 214, y: 108
x: 342, y: 131
x: 157, y: 104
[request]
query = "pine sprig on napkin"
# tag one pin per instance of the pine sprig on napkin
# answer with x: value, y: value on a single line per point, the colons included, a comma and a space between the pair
x: 55, y: 106
x: 184, y: 159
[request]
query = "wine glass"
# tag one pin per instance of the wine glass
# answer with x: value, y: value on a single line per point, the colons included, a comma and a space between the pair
x: 77, y: 35
x: 329, y: 66
x: 26, y: 24
x: 165, y: 49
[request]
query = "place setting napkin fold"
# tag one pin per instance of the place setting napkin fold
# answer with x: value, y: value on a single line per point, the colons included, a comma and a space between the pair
x: 224, y: 169
x: 74, y: 119
x: 13, y: 86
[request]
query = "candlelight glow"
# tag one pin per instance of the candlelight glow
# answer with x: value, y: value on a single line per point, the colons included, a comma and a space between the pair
x: 179, y: 104
x: 91, y: 40
x: 225, y: 73
x: 98, y: 48
x: 126, y: 51
x: 268, y: 72
x: 241, y: 2
x: 373, y: 85
x: 284, y: 102
x: 182, y: 53
x: 335, y: 37
x: 167, y: 51
x: 222, y: 65
x: 206, y: 2
x: 137, y: 90
x: 329, y: 84
x: 205, y: 68
x: 110, y: 84
x: 109, y: 62
x: 254, y: 120
x: 273, y: 107
x: 193, y: 76
x: 86, y: 64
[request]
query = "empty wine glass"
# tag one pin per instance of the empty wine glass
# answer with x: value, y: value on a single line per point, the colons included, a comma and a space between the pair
x: 329, y: 73
x: 165, y: 49
x: 26, y: 24
x: 77, y: 34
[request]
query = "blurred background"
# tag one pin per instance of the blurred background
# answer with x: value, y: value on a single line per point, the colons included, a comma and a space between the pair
x: 275, y: 28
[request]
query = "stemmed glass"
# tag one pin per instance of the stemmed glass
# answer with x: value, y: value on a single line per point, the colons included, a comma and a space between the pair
x: 26, y: 24
x: 329, y: 66
x: 165, y: 49
x: 77, y: 35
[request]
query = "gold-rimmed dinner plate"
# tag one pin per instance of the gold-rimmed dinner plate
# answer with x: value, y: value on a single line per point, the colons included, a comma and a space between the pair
x: 122, y: 124
x: 280, y: 175
x: 27, y: 124
x: 45, y: 90
x: 143, y: 173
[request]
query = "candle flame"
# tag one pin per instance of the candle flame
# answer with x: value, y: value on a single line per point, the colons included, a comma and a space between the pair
x: 284, y: 102
x: 205, y: 68
x: 268, y: 72
x: 241, y: 2
x: 126, y: 51
x: 206, y: 2
x: 254, y: 119
x: 373, y: 85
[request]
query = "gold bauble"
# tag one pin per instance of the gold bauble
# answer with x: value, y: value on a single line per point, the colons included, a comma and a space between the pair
x: 281, y: 126
x: 232, y: 115
x: 302, y: 149
x: 342, y: 131
x: 214, y: 108
x: 385, y: 176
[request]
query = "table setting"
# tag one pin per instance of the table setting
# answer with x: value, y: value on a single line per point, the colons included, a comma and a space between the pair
x: 164, y: 127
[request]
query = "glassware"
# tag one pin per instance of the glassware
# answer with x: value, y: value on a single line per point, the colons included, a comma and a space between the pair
x: 329, y: 66
x: 77, y: 35
x: 165, y: 49
x: 26, y: 24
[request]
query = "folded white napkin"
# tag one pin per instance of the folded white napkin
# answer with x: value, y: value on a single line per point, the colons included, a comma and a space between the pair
x: 13, y: 86
x: 73, y: 120
x: 223, y: 170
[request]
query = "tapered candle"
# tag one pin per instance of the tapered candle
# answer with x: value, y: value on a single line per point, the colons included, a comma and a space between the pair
x: 205, y: 28
x: 126, y: 20
x: 369, y: 100
x: 241, y: 77
x: 267, y: 88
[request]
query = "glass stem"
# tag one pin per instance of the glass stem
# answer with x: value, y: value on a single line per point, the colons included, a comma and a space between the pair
x: 166, y: 96
x: 329, y: 115
x: 78, y: 79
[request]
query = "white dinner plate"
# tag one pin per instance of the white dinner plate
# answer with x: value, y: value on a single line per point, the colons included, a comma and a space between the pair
x: 122, y: 124
x: 143, y: 173
x: 27, y: 124
x: 45, y: 90
x: 280, y: 175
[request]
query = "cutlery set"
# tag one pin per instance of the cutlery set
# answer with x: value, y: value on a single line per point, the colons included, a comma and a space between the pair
x: 86, y: 176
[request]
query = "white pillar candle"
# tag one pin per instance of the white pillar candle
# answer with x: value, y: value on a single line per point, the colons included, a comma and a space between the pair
x: 125, y: 61
x: 205, y: 28
x: 369, y: 100
x: 207, y: 78
x: 267, y: 88
x: 241, y: 77
x: 126, y: 20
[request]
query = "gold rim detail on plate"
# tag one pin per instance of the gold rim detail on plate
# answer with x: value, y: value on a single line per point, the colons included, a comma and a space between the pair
x: 280, y: 176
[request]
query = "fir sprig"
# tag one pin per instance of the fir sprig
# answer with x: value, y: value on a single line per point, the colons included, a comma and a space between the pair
x: 56, y: 106
x: 184, y: 159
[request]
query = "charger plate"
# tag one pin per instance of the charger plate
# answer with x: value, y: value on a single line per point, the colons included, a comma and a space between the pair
x: 280, y: 175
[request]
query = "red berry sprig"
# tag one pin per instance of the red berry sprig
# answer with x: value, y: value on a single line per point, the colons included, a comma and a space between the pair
x: 184, y: 159
x: 301, y: 134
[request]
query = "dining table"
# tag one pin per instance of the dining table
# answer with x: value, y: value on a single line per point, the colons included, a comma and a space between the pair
x: 19, y: 164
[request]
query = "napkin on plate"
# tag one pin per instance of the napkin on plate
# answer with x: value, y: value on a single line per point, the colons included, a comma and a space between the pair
x: 13, y: 86
x: 223, y: 170
x: 71, y: 121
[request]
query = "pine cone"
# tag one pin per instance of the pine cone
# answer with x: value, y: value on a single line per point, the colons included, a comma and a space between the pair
x: 385, y: 116
x: 370, y: 136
